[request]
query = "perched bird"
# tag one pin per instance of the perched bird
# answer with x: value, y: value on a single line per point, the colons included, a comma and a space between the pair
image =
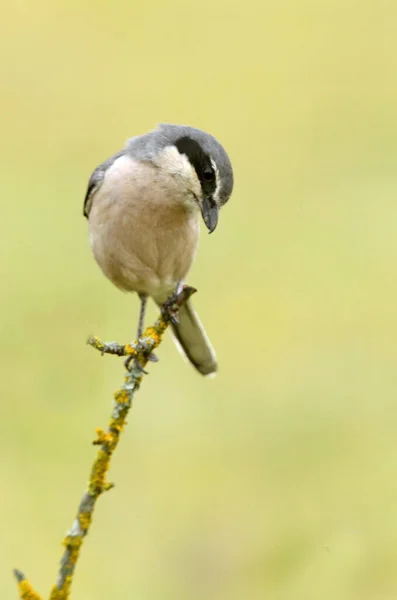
x: 143, y: 207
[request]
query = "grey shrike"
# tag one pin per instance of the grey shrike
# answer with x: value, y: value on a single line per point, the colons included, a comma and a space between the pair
x: 143, y: 206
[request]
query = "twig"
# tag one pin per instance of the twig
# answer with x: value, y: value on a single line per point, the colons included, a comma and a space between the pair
x: 26, y: 592
x: 140, y: 350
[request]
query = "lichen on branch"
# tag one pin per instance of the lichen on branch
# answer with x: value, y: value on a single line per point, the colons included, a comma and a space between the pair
x: 138, y: 354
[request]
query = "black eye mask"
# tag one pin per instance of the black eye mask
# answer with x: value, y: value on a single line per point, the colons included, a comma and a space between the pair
x: 201, y: 163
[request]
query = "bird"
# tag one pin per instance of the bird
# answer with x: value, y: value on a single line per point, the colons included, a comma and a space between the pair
x: 143, y: 206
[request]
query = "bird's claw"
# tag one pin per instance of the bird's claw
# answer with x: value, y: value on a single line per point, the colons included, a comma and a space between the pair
x: 169, y: 311
x: 170, y: 308
x: 137, y: 364
x: 152, y: 357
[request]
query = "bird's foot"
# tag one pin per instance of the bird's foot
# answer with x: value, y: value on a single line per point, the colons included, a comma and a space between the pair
x: 170, y: 308
x: 137, y: 364
x: 152, y: 357
x: 169, y: 311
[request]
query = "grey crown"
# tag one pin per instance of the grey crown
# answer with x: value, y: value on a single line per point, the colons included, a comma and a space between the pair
x: 147, y: 146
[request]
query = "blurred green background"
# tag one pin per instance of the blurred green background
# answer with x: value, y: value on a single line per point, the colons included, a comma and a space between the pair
x: 278, y: 479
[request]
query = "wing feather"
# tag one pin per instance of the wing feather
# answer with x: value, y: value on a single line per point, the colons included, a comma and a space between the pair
x: 96, y: 180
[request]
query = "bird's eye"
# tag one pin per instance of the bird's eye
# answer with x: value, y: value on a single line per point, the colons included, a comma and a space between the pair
x: 208, y: 173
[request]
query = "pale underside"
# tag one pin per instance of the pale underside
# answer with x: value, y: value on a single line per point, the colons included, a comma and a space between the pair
x: 144, y: 224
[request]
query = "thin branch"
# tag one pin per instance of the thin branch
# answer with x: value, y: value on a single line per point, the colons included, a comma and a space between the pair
x: 26, y: 592
x: 107, y: 441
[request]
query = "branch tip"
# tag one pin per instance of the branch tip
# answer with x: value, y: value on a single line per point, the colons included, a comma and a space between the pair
x: 26, y: 592
x: 19, y: 576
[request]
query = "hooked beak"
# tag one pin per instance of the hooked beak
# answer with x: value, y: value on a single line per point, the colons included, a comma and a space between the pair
x: 210, y: 212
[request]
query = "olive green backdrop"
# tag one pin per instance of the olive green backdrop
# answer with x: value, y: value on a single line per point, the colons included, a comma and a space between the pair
x: 278, y: 478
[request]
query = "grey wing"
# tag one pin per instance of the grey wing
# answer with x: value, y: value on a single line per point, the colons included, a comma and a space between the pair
x: 96, y: 180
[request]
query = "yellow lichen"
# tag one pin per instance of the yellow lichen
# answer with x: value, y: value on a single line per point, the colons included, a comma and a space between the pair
x: 73, y: 542
x: 57, y: 594
x: 63, y: 593
x: 121, y: 396
x: 108, y: 441
x: 129, y: 350
x: 26, y: 591
x: 117, y: 425
x: 98, y: 473
x: 102, y: 437
x: 85, y: 520
x: 96, y: 342
x: 152, y: 332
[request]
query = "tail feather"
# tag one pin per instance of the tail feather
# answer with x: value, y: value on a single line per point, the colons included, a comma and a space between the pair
x: 192, y: 341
